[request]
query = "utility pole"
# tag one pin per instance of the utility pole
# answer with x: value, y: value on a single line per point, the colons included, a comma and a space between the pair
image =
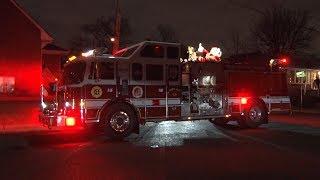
x: 117, y: 25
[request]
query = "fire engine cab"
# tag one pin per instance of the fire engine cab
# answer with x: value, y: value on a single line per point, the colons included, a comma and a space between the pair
x: 150, y: 82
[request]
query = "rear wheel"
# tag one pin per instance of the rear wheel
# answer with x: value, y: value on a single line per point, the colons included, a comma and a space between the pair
x: 119, y: 121
x: 254, y: 116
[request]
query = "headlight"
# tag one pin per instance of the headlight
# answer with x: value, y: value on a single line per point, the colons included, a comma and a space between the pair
x: 43, y: 105
x: 67, y: 104
x: 82, y: 104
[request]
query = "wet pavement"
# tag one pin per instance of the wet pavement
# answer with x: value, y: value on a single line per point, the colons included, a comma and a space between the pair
x: 171, y: 150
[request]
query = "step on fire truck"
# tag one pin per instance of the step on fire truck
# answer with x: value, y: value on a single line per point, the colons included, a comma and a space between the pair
x: 150, y: 81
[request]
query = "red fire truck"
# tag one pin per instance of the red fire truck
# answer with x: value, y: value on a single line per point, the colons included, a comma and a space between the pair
x: 148, y: 82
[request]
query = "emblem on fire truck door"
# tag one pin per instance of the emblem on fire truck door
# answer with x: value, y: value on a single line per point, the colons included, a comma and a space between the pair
x: 137, y: 92
x: 96, y: 92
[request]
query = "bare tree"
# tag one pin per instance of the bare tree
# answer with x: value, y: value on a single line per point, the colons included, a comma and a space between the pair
x: 166, y: 33
x: 98, y: 34
x: 283, y: 31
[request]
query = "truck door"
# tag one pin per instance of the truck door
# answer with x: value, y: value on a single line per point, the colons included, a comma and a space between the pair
x: 122, y: 77
x: 137, y: 88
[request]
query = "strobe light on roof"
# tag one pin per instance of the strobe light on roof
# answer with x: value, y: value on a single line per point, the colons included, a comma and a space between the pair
x: 88, y: 53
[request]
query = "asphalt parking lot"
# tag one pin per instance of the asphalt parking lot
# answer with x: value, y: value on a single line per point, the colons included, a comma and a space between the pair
x: 287, y: 147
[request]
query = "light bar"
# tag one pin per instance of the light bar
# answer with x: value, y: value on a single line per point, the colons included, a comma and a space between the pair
x: 87, y: 54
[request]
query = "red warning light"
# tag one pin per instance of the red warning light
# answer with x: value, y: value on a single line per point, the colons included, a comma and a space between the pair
x: 244, y: 100
x: 70, y: 121
x: 284, y: 61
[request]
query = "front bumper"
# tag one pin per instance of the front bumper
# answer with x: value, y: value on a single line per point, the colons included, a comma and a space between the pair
x: 58, y: 121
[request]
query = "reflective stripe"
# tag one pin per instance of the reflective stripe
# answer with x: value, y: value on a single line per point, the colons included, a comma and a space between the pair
x: 274, y: 103
x: 271, y: 99
x: 275, y: 99
x: 151, y: 102
x: 96, y: 103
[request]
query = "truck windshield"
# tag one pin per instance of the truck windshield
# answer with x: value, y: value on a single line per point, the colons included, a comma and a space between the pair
x: 74, y: 73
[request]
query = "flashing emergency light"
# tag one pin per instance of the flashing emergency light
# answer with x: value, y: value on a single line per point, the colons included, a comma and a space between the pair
x: 284, y: 61
x: 244, y: 101
x: 70, y: 121
x: 67, y: 104
x: 88, y: 53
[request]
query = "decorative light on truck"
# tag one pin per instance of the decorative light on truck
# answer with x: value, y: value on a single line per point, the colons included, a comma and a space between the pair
x: 203, y: 55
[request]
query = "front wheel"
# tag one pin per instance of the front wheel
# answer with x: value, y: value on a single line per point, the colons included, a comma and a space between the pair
x: 254, y: 116
x: 119, y: 121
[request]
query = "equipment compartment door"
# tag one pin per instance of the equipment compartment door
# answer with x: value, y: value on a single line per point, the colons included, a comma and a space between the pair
x: 203, y: 95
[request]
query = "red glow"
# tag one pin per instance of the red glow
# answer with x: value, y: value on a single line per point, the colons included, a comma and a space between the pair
x: 284, y: 60
x: 244, y: 100
x: 70, y: 121
x: 27, y: 76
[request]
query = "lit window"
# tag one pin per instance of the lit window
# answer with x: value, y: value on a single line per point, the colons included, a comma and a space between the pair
x: 7, y: 85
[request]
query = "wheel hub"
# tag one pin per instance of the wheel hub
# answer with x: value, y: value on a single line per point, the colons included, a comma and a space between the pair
x: 120, y: 121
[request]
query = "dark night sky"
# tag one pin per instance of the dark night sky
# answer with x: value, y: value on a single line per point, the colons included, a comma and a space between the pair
x: 207, y: 21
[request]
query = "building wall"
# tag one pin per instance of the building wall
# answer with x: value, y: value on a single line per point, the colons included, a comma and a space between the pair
x: 53, y: 63
x: 20, y: 53
x: 307, y: 81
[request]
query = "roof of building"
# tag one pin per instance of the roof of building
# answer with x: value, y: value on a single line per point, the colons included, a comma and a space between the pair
x: 45, y: 36
x: 305, y: 62
x: 259, y: 59
x: 54, y: 49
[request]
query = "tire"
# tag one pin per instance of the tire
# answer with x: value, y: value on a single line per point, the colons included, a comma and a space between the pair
x: 219, y: 121
x: 254, y: 116
x: 119, y: 121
